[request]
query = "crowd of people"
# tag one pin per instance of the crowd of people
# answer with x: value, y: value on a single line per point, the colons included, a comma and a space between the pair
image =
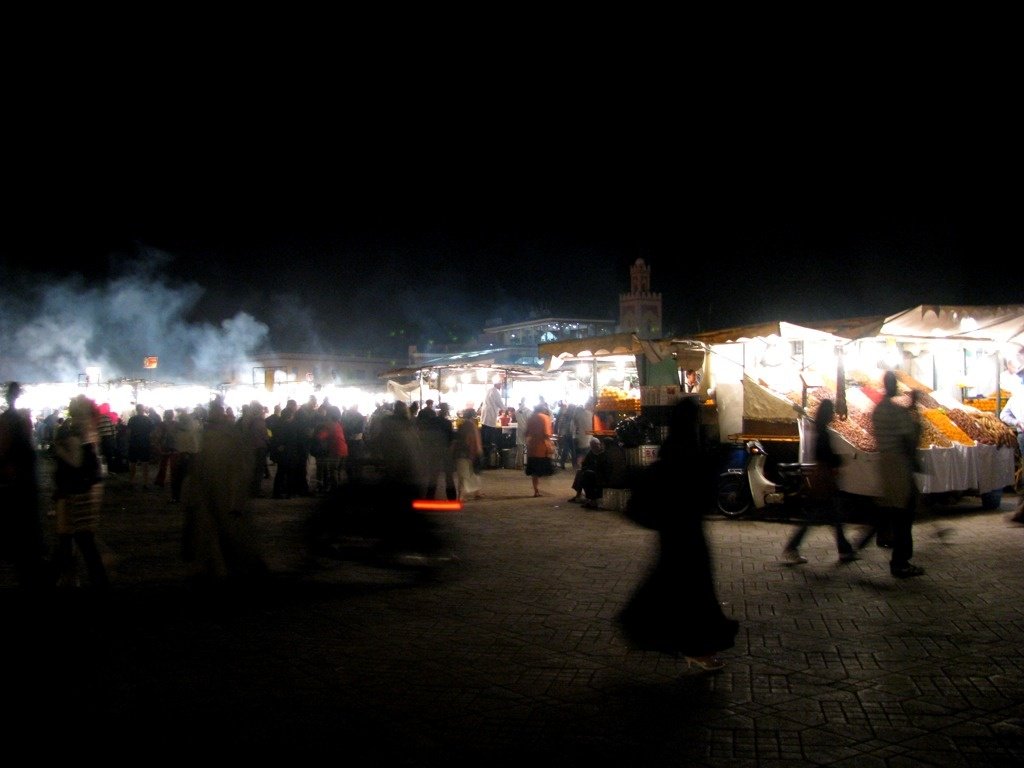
x: 215, y: 462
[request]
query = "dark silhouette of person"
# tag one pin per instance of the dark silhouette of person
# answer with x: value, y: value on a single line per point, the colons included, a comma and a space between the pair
x: 218, y: 535
x: 824, y: 501
x: 675, y: 610
x: 140, y: 444
x: 400, y: 453
x: 284, y: 447
x: 436, y: 433
x: 354, y: 424
x: 21, y: 530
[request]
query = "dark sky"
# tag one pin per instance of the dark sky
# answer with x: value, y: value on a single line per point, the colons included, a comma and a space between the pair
x: 340, y: 222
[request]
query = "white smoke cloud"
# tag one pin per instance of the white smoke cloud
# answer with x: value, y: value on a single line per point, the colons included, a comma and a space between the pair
x: 53, y: 329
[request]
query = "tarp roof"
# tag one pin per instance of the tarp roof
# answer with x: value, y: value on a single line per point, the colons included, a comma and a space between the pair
x: 592, y: 346
x: 999, y: 323
x: 689, y: 354
x: 847, y: 328
x: 499, y: 358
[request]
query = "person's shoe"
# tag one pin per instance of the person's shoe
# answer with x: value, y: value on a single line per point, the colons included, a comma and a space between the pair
x: 848, y: 557
x: 792, y: 557
x: 705, y: 663
x: 591, y: 505
x: 575, y: 499
x: 906, y: 571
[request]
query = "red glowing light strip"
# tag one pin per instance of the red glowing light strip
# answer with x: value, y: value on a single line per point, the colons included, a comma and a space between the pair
x: 431, y: 505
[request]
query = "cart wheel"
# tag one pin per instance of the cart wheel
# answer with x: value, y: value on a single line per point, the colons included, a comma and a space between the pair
x: 733, y: 500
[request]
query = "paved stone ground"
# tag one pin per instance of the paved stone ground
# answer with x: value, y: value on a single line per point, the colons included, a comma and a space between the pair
x: 512, y: 653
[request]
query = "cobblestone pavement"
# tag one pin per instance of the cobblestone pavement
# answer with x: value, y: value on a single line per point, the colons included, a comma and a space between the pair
x: 512, y: 653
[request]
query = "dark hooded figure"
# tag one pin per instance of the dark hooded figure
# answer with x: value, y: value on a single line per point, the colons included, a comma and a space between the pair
x: 676, y: 610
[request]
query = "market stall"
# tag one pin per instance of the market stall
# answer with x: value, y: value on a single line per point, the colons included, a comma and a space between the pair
x: 463, y: 383
x: 633, y: 383
x: 769, y: 377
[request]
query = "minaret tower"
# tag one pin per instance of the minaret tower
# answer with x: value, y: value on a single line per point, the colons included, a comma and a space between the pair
x: 640, y: 310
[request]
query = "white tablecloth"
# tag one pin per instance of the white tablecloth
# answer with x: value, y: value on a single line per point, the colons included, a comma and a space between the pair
x: 979, y: 468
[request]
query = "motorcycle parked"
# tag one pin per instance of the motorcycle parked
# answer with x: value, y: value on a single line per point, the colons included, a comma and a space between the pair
x: 746, y: 486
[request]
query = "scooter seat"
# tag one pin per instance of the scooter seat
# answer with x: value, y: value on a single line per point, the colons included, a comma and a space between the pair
x: 792, y: 466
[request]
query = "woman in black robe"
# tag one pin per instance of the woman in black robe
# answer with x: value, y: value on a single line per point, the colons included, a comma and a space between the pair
x: 675, y: 610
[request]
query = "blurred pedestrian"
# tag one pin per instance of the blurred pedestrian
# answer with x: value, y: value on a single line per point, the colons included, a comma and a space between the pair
x: 140, y: 447
x: 21, y: 529
x: 354, y: 424
x: 675, y: 610
x: 566, y: 443
x: 823, y: 499
x: 468, y: 452
x: 523, y: 413
x: 186, y: 436
x: 163, y: 447
x: 436, y: 436
x: 897, y: 431
x: 218, y: 536
x: 540, y: 448
x: 78, y: 495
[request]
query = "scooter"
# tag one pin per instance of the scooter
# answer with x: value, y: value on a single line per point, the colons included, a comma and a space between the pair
x: 370, y: 523
x: 745, y: 484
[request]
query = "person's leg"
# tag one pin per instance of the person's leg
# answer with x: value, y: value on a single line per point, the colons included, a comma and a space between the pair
x: 577, y: 486
x: 64, y: 561
x: 843, y: 546
x: 902, y: 538
x: 796, y: 538
x: 86, y: 542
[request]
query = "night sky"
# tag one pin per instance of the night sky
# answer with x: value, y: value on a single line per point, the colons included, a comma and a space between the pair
x: 283, y: 222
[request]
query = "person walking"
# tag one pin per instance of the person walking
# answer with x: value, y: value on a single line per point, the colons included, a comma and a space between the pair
x: 539, y: 446
x: 78, y: 495
x: 163, y: 447
x: 468, y: 451
x: 897, y: 432
x: 823, y: 499
x: 354, y: 424
x: 675, y: 610
x: 140, y: 444
x: 436, y: 436
x: 187, y: 433
x: 219, y: 539
x: 564, y: 431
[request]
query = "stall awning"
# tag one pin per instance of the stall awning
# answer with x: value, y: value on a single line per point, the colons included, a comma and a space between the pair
x: 845, y: 329
x: 999, y: 323
x: 511, y: 371
x: 592, y: 346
